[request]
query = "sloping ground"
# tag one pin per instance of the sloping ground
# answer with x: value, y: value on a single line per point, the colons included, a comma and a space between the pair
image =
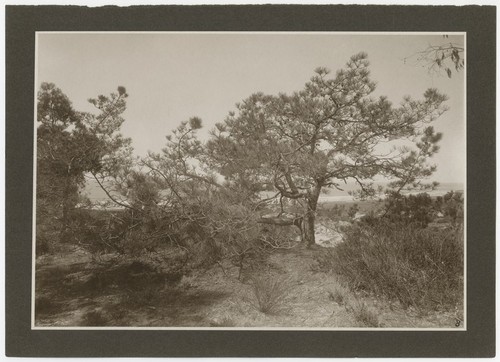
x: 305, y: 298
x: 68, y: 294
x: 311, y: 300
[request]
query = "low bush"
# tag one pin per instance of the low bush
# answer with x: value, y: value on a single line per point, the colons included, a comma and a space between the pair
x: 409, y: 209
x: 422, y: 268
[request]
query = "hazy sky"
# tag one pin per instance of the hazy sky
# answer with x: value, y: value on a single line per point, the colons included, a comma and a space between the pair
x: 171, y: 77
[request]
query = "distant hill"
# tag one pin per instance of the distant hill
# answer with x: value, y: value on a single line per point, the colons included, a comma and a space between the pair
x: 442, y: 188
x: 95, y: 193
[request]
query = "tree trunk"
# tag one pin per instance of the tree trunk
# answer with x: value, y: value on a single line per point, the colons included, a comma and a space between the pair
x: 310, y: 216
x: 309, y: 219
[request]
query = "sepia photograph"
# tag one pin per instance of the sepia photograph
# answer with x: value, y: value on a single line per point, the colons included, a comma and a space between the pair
x: 250, y: 180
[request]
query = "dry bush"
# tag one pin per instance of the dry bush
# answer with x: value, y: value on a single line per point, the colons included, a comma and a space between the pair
x: 170, y: 237
x: 422, y: 268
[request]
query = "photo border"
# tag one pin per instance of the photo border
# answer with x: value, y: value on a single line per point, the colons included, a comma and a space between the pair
x: 478, y: 22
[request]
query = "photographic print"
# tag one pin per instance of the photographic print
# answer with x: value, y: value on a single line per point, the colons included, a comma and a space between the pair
x: 250, y: 180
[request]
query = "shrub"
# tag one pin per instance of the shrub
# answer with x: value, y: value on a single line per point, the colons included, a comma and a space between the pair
x: 353, y: 210
x: 411, y: 209
x: 453, y: 206
x: 270, y: 292
x: 422, y: 268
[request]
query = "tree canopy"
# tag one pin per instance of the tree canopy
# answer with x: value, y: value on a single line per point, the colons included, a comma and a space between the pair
x: 71, y: 144
x: 329, y: 132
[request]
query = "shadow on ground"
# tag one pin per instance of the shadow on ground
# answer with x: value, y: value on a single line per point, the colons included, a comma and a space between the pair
x: 130, y: 294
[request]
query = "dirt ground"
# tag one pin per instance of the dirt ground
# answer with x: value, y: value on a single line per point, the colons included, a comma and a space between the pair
x: 299, y: 295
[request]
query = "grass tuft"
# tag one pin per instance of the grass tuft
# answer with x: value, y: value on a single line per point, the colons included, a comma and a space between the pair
x: 338, y: 295
x: 270, y: 292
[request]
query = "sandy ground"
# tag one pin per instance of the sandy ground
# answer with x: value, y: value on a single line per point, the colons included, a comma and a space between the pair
x: 68, y: 296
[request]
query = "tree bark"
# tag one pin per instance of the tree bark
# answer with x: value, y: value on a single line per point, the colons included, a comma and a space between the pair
x: 310, y: 215
x: 309, y: 237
